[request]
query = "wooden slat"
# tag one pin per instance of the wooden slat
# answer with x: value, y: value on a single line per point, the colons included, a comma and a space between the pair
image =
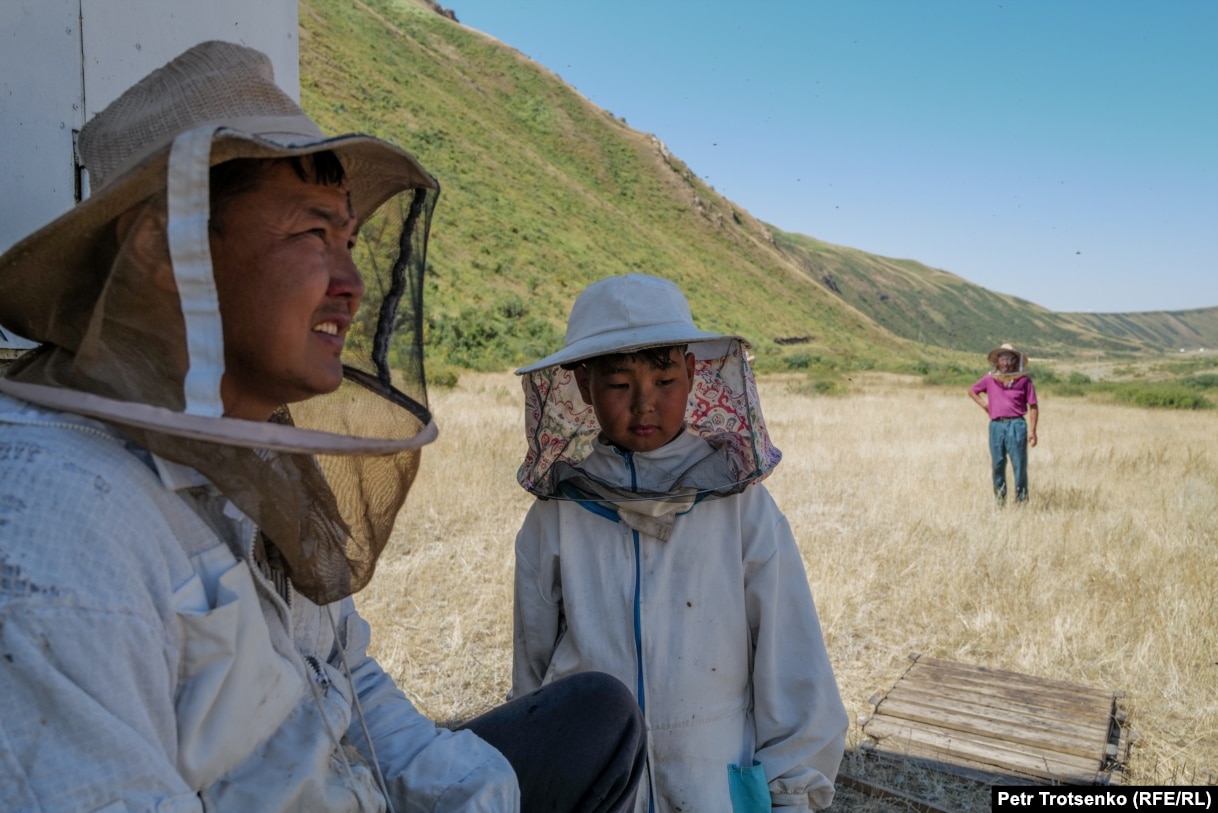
x: 1031, y: 680
x: 960, y: 765
x: 1093, y: 720
x: 1064, y: 737
x: 1090, y: 716
x: 1011, y: 698
x: 1006, y: 689
x: 943, y: 743
x: 1012, y: 689
x: 987, y: 749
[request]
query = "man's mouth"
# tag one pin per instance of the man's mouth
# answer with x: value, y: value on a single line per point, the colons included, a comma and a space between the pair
x: 327, y: 327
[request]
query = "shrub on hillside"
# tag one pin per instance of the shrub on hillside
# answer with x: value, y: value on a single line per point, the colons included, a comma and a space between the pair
x: 797, y: 361
x: 491, y: 338
x: 946, y: 375
x: 1202, y: 381
x: 1162, y: 396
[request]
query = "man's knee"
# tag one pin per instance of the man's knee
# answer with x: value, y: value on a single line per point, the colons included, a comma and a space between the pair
x: 601, y: 699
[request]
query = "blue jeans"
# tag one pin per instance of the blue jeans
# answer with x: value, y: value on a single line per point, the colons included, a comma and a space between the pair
x: 1009, y: 438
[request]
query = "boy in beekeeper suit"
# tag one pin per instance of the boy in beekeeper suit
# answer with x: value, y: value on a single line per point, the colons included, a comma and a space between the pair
x: 653, y: 553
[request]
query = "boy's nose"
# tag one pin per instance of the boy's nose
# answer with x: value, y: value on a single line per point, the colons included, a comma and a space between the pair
x: 643, y: 400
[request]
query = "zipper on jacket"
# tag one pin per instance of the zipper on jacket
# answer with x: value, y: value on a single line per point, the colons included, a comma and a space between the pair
x: 272, y: 568
x: 638, y: 654
x: 638, y: 623
x: 319, y: 674
x: 262, y: 580
x: 628, y: 458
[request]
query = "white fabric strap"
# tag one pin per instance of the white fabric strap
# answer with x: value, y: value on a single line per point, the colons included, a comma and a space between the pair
x: 187, y: 187
x: 229, y: 431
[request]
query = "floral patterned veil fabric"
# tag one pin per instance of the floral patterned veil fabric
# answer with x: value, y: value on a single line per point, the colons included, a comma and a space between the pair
x: 724, y: 409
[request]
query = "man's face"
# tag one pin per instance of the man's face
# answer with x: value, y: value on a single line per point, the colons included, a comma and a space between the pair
x: 288, y: 290
x: 640, y: 407
x: 1007, y: 362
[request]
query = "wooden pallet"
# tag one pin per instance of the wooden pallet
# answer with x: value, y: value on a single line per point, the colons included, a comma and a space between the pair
x: 999, y: 726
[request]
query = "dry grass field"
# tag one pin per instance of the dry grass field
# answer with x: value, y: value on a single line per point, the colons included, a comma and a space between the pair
x: 1108, y: 577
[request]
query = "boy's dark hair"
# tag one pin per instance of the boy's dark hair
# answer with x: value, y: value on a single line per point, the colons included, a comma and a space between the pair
x: 660, y: 358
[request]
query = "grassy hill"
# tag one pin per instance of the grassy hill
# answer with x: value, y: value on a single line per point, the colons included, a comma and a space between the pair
x: 543, y: 192
x: 929, y: 305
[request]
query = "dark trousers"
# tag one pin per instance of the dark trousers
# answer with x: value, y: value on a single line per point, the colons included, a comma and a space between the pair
x: 577, y: 744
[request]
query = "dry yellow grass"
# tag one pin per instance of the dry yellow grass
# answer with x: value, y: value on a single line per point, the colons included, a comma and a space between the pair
x: 1109, y: 577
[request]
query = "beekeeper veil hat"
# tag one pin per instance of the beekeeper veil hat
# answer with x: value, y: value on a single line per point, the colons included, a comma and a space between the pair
x: 623, y: 315
x: 143, y: 350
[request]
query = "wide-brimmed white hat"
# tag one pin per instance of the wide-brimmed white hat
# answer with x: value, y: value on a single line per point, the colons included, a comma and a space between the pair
x: 628, y: 313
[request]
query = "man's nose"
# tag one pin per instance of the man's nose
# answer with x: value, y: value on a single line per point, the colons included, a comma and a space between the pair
x: 345, y: 279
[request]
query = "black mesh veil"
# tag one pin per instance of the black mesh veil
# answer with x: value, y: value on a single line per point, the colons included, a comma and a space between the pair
x: 384, y: 391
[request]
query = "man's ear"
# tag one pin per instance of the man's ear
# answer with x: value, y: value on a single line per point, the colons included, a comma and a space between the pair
x: 689, y: 370
x: 142, y: 236
x: 582, y: 381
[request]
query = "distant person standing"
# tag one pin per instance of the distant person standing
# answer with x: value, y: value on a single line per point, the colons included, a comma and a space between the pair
x: 1009, y: 397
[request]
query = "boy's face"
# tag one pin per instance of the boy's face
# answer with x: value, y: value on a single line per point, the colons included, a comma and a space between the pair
x: 640, y: 407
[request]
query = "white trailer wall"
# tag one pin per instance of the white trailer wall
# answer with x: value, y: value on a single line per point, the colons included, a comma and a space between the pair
x: 61, y: 61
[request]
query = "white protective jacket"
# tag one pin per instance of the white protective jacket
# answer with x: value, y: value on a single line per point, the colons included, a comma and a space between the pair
x: 714, y: 629
x: 145, y: 666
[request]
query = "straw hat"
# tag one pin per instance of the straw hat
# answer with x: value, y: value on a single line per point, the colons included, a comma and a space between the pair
x: 628, y: 313
x: 49, y: 287
x: 1006, y: 347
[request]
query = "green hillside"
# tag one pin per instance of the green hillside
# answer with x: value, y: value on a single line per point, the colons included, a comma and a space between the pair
x: 543, y: 192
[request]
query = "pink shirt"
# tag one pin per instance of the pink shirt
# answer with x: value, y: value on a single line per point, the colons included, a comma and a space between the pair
x: 1009, y: 400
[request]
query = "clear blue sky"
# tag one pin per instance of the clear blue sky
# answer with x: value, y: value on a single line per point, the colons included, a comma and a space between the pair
x: 1064, y: 151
